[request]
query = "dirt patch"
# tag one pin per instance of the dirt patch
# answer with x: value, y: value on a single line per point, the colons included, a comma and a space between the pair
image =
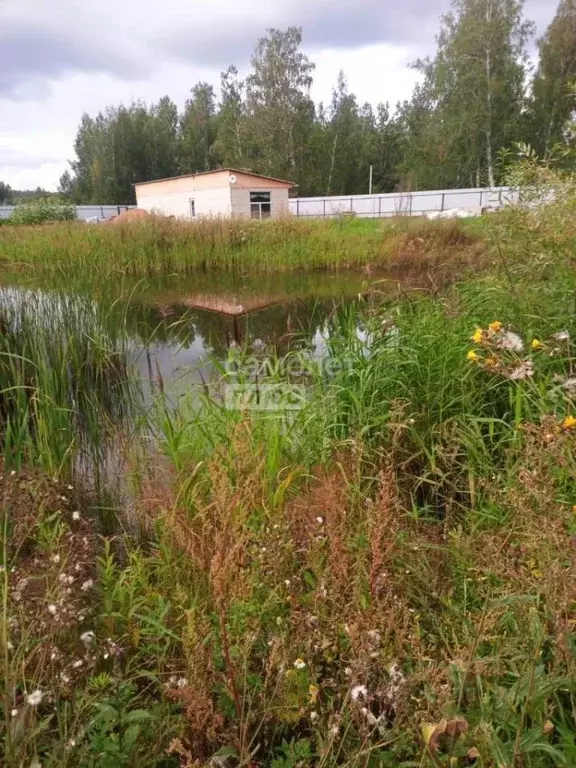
x: 130, y: 216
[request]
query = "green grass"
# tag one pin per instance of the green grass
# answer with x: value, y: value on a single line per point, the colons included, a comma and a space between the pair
x: 161, y: 247
x: 380, y: 577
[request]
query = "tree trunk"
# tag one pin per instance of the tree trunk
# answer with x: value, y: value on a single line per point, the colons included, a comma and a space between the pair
x: 334, y: 145
x: 489, y: 159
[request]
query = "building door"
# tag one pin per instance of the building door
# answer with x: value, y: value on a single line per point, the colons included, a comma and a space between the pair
x: 260, y: 205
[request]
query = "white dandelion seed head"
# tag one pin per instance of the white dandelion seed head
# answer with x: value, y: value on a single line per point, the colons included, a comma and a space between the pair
x: 35, y: 698
x: 522, y: 371
x: 510, y: 341
x: 358, y: 692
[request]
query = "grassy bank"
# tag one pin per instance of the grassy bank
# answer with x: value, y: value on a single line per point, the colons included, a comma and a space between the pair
x: 162, y: 246
x: 383, y: 576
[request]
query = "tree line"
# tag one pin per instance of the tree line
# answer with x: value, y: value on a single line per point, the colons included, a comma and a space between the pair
x: 478, y: 96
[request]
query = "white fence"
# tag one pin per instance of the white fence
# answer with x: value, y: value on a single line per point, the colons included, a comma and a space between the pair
x: 403, y: 203
x: 366, y: 206
x: 83, y: 212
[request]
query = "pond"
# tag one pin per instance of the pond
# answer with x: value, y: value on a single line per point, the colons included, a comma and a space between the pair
x: 81, y: 364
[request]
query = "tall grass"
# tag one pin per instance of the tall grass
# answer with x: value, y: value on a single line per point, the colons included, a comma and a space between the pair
x: 64, y: 381
x: 163, y: 246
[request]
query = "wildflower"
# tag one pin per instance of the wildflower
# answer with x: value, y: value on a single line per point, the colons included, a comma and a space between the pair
x: 287, y: 582
x: 477, y: 336
x: 511, y: 341
x: 35, y: 698
x: 561, y: 336
x: 76, y: 515
x: 496, y: 326
x: 14, y: 712
x: 88, y: 638
x: 88, y: 584
x: 358, y: 692
x: 523, y: 371
x: 472, y: 355
x: 51, y: 609
x: 313, y: 690
x: 299, y: 664
x: 569, y: 422
x: 319, y: 520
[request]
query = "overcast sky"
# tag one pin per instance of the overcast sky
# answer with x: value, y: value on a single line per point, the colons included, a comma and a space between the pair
x: 60, y: 58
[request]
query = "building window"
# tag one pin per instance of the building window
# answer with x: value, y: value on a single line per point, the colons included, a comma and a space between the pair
x: 192, y: 209
x: 260, y: 207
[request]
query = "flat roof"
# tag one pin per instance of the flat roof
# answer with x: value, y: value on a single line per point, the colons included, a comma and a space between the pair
x: 216, y: 170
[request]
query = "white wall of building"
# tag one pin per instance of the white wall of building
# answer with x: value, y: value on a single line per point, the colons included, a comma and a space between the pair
x: 207, y: 202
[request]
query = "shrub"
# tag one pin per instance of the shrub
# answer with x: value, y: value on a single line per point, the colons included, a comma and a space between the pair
x: 42, y: 211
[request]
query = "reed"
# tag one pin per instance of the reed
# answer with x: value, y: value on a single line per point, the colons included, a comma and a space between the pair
x: 164, y: 246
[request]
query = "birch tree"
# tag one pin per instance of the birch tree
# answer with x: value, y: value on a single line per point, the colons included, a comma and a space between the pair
x: 475, y: 85
x: 554, y: 100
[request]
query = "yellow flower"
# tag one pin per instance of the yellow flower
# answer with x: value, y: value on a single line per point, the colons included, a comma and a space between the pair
x: 495, y: 326
x: 477, y: 336
x: 472, y: 355
x: 536, y: 344
x: 569, y: 422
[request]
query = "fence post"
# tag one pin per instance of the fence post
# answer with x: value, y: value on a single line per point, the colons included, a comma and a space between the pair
x: 443, y: 198
x: 324, y: 201
x: 379, y: 207
x: 410, y: 204
x: 351, y: 205
x: 297, y: 207
x: 101, y: 211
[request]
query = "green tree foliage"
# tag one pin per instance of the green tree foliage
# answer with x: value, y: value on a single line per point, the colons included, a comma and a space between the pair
x: 474, y: 101
x: 553, y: 103
x: 5, y: 193
x: 472, y: 97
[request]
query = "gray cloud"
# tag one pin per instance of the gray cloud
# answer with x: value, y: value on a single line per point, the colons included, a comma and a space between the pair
x: 129, y: 39
x: 28, y: 53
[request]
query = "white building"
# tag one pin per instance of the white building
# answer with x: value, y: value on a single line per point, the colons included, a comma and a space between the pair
x: 225, y: 192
